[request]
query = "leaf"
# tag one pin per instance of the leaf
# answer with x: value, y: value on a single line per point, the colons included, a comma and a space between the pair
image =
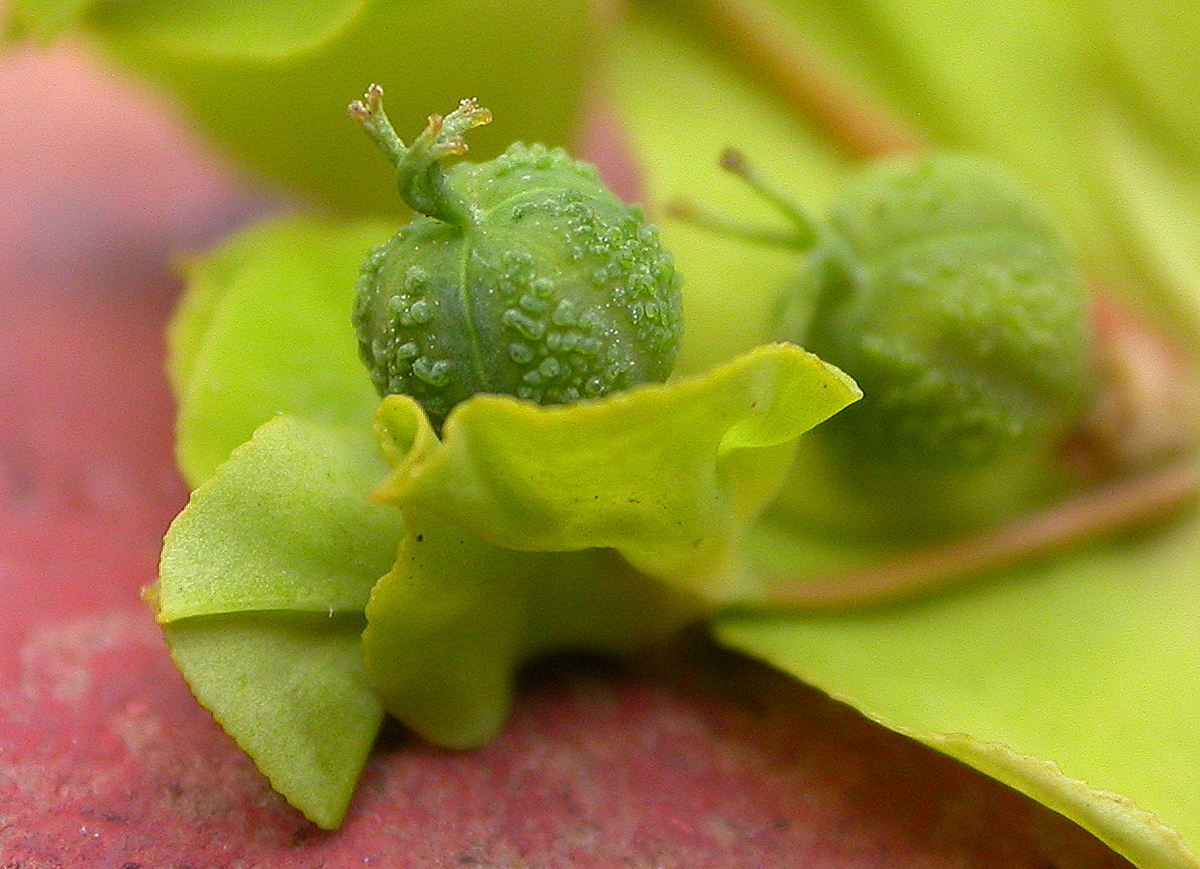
x: 1150, y: 62
x: 665, y: 474
x: 292, y: 692
x: 1160, y: 198
x: 1088, y: 663
x: 42, y: 19
x: 452, y: 623
x: 264, y: 328
x: 227, y: 28
x: 217, y: 27
x: 599, y: 525
x: 262, y: 585
x: 270, y: 82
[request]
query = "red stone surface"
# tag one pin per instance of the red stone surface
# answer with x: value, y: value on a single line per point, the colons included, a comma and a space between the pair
x: 695, y: 759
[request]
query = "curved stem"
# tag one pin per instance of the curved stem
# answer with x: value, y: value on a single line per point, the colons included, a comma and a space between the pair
x: 807, y: 79
x: 803, y: 235
x: 807, y: 229
x: 1096, y: 513
x: 691, y: 212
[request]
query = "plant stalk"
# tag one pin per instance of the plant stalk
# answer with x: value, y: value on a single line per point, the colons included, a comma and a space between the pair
x: 1094, y: 514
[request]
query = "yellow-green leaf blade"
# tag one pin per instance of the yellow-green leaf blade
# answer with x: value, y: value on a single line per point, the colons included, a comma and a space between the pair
x: 292, y: 693
x: 264, y: 578
x: 285, y: 525
x: 1088, y: 663
x: 265, y: 328
x: 666, y: 474
x: 602, y: 525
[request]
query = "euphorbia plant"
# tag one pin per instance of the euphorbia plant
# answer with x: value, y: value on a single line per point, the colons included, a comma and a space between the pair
x: 605, y: 520
x: 1026, y: 676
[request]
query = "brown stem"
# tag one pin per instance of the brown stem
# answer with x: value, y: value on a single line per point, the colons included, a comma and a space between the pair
x: 807, y: 79
x: 1094, y: 514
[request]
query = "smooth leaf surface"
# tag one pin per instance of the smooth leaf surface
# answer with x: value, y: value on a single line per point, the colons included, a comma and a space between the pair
x: 453, y: 622
x: 285, y: 525
x: 214, y: 27
x: 263, y: 581
x: 43, y: 19
x: 601, y: 525
x: 1160, y: 198
x: 1151, y: 49
x: 1028, y: 60
x: 1088, y: 663
x: 665, y: 474
x: 227, y: 28
x: 293, y: 694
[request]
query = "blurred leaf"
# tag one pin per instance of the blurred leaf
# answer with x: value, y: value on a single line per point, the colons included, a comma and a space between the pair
x: 271, y: 82
x: 452, y: 623
x: 228, y: 28
x: 42, y: 19
x: 1151, y: 51
x: 264, y: 328
x: 1011, y: 80
x: 1158, y: 198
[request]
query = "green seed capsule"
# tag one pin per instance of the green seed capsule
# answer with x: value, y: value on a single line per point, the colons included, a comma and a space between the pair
x: 523, y: 275
x: 944, y: 292
x: 955, y: 305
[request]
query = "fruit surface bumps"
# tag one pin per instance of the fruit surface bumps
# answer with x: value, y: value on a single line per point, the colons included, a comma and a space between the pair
x: 554, y: 291
x: 953, y: 303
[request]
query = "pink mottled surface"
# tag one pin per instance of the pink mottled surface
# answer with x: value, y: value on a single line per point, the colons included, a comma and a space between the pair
x: 695, y: 759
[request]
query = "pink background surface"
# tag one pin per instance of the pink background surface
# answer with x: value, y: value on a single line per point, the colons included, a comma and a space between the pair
x: 693, y: 759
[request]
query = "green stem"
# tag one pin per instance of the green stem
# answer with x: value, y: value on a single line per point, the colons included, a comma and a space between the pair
x: 419, y: 173
x: 369, y: 112
x: 806, y: 229
x: 697, y: 215
x: 803, y: 235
